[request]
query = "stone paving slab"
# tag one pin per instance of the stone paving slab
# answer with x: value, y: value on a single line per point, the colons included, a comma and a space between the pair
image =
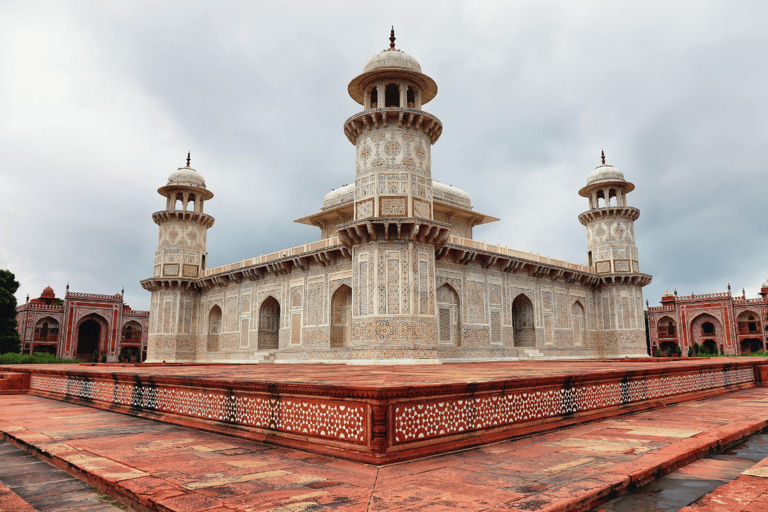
x: 158, y: 466
x: 29, y: 484
x: 12, y: 502
x: 748, y: 493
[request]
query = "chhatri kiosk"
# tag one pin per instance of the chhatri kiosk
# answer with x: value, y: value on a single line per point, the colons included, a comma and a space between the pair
x: 396, y: 275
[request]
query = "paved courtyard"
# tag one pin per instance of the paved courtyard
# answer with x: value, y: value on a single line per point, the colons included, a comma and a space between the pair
x: 161, y: 466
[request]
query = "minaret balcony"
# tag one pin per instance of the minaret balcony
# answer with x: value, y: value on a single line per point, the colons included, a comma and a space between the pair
x: 167, y: 215
x: 395, y: 228
x: 625, y: 212
x: 406, y: 118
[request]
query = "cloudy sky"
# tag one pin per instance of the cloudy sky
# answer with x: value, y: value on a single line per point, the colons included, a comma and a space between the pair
x: 100, y: 102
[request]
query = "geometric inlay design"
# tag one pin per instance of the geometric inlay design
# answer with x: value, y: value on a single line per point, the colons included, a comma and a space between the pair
x: 430, y: 419
x: 321, y: 418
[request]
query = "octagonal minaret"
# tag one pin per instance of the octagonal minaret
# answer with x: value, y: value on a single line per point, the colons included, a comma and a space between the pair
x: 393, y: 137
x: 179, y: 260
x: 610, y: 222
x: 612, y: 254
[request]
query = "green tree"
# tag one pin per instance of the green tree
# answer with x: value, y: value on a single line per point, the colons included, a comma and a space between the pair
x: 10, y: 341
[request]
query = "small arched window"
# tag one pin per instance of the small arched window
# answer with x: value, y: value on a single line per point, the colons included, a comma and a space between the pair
x: 374, y: 95
x: 411, y: 98
x: 392, y: 95
x: 600, y: 195
x: 707, y: 328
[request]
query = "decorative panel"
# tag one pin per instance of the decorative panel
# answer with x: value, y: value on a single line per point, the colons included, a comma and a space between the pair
x: 296, y: 329
x: 245, y: 326
x: 421, y: 209
x: 365, y: 209
x: 495, y: 326
x: 393, y: 206
x: 444, y: 325
x: 443, y: 417
x: 475, y: 303
x: 603, y: 267
x: 341, y: 421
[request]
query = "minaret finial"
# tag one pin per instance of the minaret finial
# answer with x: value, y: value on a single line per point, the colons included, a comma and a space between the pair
x: 189, y: 157
x: 392, y: 38
x: 602, y: 155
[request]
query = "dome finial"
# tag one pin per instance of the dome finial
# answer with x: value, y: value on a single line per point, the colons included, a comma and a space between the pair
x: 189, y: 157
x: 602, y: 155
x: 392, y: 38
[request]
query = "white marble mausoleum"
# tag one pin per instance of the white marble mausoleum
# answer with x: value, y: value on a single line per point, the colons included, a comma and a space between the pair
x: 396, y: 275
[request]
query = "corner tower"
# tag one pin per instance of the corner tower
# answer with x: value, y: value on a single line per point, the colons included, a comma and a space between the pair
x: 610, y: 222
x: 179, y: 260
x: 393, y: 235
x: 393, y: 137
x: 612, y: 254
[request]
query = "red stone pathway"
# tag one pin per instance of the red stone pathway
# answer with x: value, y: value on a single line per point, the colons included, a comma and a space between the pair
x: 165, y: 467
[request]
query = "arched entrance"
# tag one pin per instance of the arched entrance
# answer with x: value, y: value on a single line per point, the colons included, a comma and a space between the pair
x: 88, y: 335
x: 341, y: 313
x: 751, y: 345
x: 448, y: 321
x: 707, y: 332
x: 668, y: 345
x: 269, y: 324
x: 44, y: 349
x: 522, y: 321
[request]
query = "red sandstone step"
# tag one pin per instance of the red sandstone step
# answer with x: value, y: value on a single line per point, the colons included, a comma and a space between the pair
x: 14, y: 382
x: 12, y: 502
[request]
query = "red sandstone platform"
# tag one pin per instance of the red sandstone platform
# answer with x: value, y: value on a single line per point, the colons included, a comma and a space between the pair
x: 379, y: 414
x: 156, y: 466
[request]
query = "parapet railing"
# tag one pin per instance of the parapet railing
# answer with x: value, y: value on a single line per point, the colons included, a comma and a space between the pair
x: 652, y: 309
x: 744, y: 300
x: 295, y: 250
x: 500, y: 249
x: 79, y: 295
x: 693, y: 296
x: 41, y: 306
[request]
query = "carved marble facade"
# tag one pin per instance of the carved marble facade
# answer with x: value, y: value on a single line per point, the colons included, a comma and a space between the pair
x: 396, y: 274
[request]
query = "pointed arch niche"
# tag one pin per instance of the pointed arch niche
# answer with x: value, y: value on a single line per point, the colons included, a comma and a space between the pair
x: 269, y: 324
x: 579, y: 324
x: 214, y: 328
x: 449, y: 316
x: 91, y: 336
x: 522, y: 322
x: 341, y: 315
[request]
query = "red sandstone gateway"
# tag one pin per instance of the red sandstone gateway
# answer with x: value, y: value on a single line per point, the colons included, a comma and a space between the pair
x: 81, y: 326
x: 717, y: 321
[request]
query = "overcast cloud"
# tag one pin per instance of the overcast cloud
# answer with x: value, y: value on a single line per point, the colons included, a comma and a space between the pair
x: 100, y: 102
